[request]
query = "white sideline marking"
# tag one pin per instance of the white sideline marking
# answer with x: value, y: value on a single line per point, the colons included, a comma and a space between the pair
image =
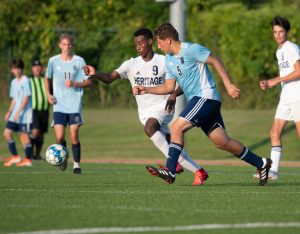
x: 164, y: 229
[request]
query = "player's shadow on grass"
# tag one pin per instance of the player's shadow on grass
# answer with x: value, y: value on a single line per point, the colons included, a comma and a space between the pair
x: 266, y: 141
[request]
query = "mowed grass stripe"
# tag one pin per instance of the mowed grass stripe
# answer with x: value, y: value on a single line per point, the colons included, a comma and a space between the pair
x: 199, y: 227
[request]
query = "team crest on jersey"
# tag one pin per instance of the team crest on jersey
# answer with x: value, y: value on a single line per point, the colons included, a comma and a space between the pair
x: 282, y: 57
x: 182, y: 60
x: 75, y: 68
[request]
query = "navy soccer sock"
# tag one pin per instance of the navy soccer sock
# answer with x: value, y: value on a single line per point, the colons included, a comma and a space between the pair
x: 76, y: 149
x: 174, y: 152
x: 28, y: 151
x: 12, y: 147
x: 251, y: 158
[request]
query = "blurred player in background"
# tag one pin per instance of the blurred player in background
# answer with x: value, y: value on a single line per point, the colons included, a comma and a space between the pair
x: 187, y: 63
x: 19, y: 116
x: 40, y: 107
x: 155, y: 112
x: 68, y: 82
x: 288, y: 109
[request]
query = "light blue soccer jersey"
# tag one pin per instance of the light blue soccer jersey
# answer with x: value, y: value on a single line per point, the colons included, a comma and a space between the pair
x: 191, y: 72
x: 68, y: 100
x: 20, y: 89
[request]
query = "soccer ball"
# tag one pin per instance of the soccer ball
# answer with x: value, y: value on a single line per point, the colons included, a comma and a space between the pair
x: 56, y: 154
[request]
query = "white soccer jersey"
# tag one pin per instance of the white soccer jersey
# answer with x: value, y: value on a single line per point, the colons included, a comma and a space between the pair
x: 148, y: 74
x: 287, y: 56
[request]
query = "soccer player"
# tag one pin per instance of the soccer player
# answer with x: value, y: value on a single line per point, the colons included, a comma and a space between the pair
x: 148, y: 69
x: 40, y: 107
x: 188, y: 64
x: 288, y: 109
x: 68, y: 82
x: 19, y: 116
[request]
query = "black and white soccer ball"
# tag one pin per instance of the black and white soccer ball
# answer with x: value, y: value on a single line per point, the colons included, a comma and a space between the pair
x: 56, y: 154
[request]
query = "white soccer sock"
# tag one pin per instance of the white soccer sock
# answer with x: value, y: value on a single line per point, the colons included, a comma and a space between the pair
x: 188, y: 163
x: 160, y: 141
x: 275, y: 157
x: 76, y: 165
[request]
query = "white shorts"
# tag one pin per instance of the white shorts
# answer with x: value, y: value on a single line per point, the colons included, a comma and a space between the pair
x: 289, y: 111
x: 163, y: 118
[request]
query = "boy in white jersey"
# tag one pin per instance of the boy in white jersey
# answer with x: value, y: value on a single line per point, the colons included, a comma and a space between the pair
x: 288, y: 109
x: 148, y: 69
x: 187, y: 63
x: 19, y: 116
x: 68, y: 82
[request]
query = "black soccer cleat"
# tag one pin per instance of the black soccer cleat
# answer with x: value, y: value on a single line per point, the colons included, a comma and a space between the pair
x: 162, y: 173
x: 264, y: 171
x: 64, y: 165
x: 77, y: 170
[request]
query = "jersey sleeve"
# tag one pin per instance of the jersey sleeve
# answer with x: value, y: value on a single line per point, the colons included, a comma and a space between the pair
x: 85, y: 77
x: 11, y: 90
x: 294, y: 53
x: 49, y: 70
x: 199, y: 53
x: 27, y: 88
x: 123, y: 70
x: 169, y: 75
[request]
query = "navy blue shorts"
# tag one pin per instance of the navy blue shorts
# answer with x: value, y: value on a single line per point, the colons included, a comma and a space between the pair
x: 64, y: 119
x: 203, y: 113
x: 17, y: 127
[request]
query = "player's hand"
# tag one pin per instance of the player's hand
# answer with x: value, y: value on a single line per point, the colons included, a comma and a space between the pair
x: 51, y: 99
x: 233, y: 91
x: 69, y: 83
x: 89, y: 70
x: 271, y: 83
x: 138, y: 90
x: 263, y: 84
x: 170, y: 105
x: 17, y: 116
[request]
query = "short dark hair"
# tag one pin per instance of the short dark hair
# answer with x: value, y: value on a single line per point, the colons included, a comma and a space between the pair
x: 17, y: 63
x: 282, y: 22
x: 166, y: 30
x: 143, y: 32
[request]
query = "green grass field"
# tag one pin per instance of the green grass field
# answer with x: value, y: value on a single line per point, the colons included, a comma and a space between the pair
x: 115, y: 195
x: 123, y: 195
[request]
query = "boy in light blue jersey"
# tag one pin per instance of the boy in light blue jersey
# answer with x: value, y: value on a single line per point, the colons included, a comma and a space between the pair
x: 69, y: 80
x: 19, y: 116
x: 186, y: 63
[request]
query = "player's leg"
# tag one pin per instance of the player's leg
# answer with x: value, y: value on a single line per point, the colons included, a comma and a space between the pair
x: 33, y: 137
x: 60, y: 123
x: 75, y: 123
x: 8, y: 136
x: 222, y: 141
x: 276, y: 142
x: 43, y: 128
x: 24, y: 130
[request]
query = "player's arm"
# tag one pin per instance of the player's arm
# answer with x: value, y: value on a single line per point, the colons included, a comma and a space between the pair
x: 11, y: 107
x: 290, y: 77
x: 232, y: 90
x: 50, y: 97
x: 84, y: 84
x: 101, y: 76
x: 170, y: 105
x: 167, y: 88
x: 22, y: 106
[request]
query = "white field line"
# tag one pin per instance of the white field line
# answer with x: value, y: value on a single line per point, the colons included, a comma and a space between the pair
x: 166, y: 229
x: 135, y: 192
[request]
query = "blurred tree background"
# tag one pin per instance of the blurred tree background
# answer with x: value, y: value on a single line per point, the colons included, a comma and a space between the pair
x: 237, y: 31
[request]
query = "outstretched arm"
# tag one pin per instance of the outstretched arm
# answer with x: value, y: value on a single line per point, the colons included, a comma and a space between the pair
x: 104, y: 77
x: 264, y: 84
x: 167, y: 88
x: 232, y: 90
x: 170, y: 105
